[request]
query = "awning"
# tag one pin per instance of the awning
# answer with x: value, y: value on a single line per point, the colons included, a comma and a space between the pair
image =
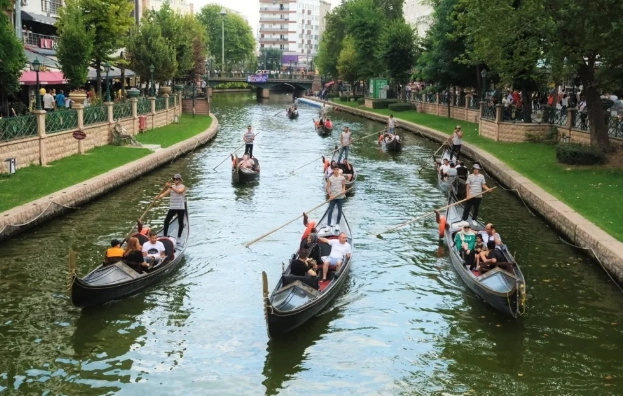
x: 327, y: 85
x: 30, y: 16
x: 29, y: 77
x: 31, y: 55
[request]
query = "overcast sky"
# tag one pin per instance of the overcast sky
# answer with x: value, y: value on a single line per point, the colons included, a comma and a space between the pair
x: 250, y: 8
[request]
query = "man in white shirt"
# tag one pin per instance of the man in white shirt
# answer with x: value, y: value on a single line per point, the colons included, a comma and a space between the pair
x: 48, y: 102
x: 489, y: 234
x: 340, y: 250
x: 154, y: 249
x: 391, y: 124
x: 345, y: 141
x: 443, y: 168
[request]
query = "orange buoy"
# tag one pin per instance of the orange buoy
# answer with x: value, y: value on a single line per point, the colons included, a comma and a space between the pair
x: 442, y: 226
x: 310, y: 226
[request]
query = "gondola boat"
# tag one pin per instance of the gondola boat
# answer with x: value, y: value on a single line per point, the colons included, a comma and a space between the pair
x: 115, y: 281
x: 243, y: 175
x: 292, y: 114
x: 349, y: 183
x: 323, y: 130
x: 505, y: 290
x: 392, y: 142
x: 456, y: 186
x: 296, y: 299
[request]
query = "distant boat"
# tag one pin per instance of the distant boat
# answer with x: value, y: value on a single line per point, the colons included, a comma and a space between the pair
x: 244, y: 175
x: 322, y: 129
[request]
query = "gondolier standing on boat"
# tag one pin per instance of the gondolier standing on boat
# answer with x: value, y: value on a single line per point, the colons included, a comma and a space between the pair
x: 323, y: 111
x: 345, y: 141
x: 474, y: 187
x: 248, y: 138
x: 336, y: 188
x: 177, y: 206
x: 457, y: 142
x: 391, y: 124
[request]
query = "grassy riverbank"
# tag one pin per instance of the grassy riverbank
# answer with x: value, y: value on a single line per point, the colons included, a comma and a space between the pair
x: 35, y: 182
x: 593, y: 191
x: 174, y: 133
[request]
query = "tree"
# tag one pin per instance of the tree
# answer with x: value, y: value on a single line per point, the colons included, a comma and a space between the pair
x: 110, y: 21
x: 270, y: 58
x: 239, y: 41
x: 364, y: 25
x: 147, y: 46
x: 392, y: 9
x: 399, y: 51
x: 199, y: 47
x: 75, y: 44
x: 331, y: 41
x: 12, y: 58
x: 347, y: 63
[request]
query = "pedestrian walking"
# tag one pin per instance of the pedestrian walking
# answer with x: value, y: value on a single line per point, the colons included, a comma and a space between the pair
x: 474, y: 187
x: 248, y: 138
x: 48, y: 102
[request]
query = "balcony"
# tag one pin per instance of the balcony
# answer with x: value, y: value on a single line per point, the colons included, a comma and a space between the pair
x: 273, y: 20
x: 274, y: 29
x: 271, y: 9
x: 39, y: 40
x: 51, y: 7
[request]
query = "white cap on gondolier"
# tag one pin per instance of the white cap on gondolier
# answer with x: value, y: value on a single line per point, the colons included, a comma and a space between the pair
x: 476, y: 166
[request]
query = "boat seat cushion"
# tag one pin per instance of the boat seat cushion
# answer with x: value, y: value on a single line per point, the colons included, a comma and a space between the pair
x: 142, y: 239
x: 311, y: 281
x: 169, y: 248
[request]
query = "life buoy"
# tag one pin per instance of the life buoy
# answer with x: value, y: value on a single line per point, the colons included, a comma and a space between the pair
x: 310, y: 226
x: 233, y: 162
x: 326, y: 165
x: 442, y: 226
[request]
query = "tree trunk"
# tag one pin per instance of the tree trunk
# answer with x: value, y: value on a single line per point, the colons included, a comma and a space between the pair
x: 448, y: 100
x: 122, y: 82
x: 98, y: 78
x: 596, y: 120
x: 526, y: 105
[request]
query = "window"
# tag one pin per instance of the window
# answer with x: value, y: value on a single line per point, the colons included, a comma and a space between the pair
x: 300, y: 45
x: 262, y: 26
x: 261, y: 45
x: 315, y: 46
x: 281, y: 46
x: 300, y: 36
x: 315, y: 37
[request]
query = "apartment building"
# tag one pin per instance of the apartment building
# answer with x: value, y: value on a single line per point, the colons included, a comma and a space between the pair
x: 417, y: 13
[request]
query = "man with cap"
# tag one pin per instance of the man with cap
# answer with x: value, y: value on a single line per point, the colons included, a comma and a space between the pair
x: 248, y: 138
x: 114, y: 253
x: 474, y: 187
x: 177, y: 206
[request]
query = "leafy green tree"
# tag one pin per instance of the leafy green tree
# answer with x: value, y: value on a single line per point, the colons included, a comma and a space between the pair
x: 365, y: 24
x: 331, y: 42
x: 147, y: 46
x: 269, y: 58
x: 392, y: 9
x: 399, y: 51
x: 75, y: 44
x: 110, y: 21
x: 347, y: 63
x: 12, y: 58
x: 239, y: 41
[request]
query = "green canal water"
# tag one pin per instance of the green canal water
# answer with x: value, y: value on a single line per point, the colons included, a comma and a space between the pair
x: 403, y: 325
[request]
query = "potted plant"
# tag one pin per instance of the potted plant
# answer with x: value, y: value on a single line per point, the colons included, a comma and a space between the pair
x: 133, y: 93
x: 75, y: 46
x: 165, y: 89
x: 179, y: 87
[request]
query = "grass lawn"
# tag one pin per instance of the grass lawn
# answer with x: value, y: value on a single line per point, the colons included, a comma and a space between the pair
x: 591, y: 191
x: 35, y: 182
x: 174, y: 133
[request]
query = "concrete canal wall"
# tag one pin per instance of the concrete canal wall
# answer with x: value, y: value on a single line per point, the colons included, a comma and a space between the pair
x: 577, y: 229
x: 23, y: 217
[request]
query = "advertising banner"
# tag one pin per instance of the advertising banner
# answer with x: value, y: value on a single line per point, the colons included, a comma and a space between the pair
x: 257, y: 78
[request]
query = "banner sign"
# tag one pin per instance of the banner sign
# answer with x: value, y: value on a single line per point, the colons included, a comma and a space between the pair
x: 257, y: 78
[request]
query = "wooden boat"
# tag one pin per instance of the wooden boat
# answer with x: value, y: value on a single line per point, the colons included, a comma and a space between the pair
x: 296, y: 299
x: 115, y: 281
x: 244, y: 175
x: 323, y: 130
x: 292, y: 114
x: 392, y: 142
x: 502, y: 289
x: 349, y: 183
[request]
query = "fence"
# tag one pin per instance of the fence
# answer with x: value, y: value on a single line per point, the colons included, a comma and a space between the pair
x: 143, y: 106
x: 122, y: 110
x: 61, y: 120
x: 18, y: 127
x: 95, y: 114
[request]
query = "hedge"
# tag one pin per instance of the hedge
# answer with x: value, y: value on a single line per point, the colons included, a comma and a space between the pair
x: 332, y: 95
x: 401, y: 106
x: 578, y: 154
x: 383, y: 103
x: 347, y: 98
x: 361, y: 101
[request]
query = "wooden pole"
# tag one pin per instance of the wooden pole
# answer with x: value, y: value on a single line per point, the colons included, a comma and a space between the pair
x: 431, y: 213
x: 289, y: 222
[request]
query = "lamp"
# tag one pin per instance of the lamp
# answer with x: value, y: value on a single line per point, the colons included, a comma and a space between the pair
x: 152, y: 89
x: 107, y: 70
x: 222, y: 13
x: 483, y: 74
x: 36, y: 67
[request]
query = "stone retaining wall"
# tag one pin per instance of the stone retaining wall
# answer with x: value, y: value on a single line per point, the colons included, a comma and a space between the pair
x: 572, y: 225
x: 46, y: 208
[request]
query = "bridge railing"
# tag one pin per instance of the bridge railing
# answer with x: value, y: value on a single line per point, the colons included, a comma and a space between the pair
x: 243, y: 76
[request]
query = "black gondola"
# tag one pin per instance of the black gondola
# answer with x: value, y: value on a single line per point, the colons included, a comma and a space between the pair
x: 457, y: 186
x: 115, y: 281
x: 505, y: 290
x: 322, y: 129
x: 392, y: 142
x: 296, y: 299
x: 244, y: 175
x: 292, y: 114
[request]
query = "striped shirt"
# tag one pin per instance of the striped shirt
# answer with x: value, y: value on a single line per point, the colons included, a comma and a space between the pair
x: 475, y: 183
x: 335, y: 186
x: 249, y: 137
x: 177, y: 200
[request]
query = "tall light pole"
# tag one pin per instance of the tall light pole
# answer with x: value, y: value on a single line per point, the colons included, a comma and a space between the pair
x: 223, y: 13
x: 36, y: 67
x: 107, y: 70
x: 483, y: 74
x: 152, y: 89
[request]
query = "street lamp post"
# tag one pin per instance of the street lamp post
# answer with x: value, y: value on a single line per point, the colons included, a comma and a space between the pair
x: 36, y: 67
x: 483, y: 74
x: 152, y: 89
x: 107, y: 70
x: 223, y: 13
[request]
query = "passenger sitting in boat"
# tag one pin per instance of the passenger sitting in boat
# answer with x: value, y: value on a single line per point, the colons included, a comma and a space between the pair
x: 461, y: 170
x: 328, y: 124
x: 310, y: 227
x: 492, y: 258
x: 301, y: 266
x: 310, y: 243
x: 329, y: 170
x: 340, y: 249
x: 479, y: 248
x: 133, y: 255
x: 246, y: 162
x: 489, y: 234
x: 451, y: 173
x: 443, y: 168
x: 153, y: 250
x: 347, y: 169
x: 465, y: 241
x: 114, y: 253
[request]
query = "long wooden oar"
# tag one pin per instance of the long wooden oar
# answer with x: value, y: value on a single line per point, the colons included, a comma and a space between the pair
x: 440, y: 147
x: 229, y: 156
x: 145, y: 212
x: 430, y: 214
x: 316, y: 159
x: 289, y: 222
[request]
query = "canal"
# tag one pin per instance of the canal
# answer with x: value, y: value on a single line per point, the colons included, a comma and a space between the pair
x: 404, y: 323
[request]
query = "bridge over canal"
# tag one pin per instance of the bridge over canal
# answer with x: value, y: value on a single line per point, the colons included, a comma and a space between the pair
x: 278, y: 82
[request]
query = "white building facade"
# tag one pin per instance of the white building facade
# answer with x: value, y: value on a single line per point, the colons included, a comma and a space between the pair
x: 417, y: 14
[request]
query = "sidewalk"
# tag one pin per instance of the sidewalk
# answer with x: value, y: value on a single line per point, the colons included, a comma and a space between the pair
x: 75, y: 180
x: 533, y: 169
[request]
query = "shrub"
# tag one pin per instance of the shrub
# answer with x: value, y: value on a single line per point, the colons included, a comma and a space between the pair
x: 578, y: 154
x: 382, y: 103
x: 550, y: 137
x: 332, y: 95
x: 401, y: 106
x: 361, y: 101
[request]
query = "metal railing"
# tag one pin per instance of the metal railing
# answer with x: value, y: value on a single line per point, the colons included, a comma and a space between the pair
x: 430, y: 98
x: 474, y: 103
x: 95, y: 114
x: 40, y: 40
x: 61, y: 120
x: 122, y: 110
x: 20, y: 127
x: 171, y: 101
x: 161, y: 103
x: 488, y: 112
x: 459, y: 101
x: 615, y: 126
x: 51, y: 6
x: 143, y: 106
